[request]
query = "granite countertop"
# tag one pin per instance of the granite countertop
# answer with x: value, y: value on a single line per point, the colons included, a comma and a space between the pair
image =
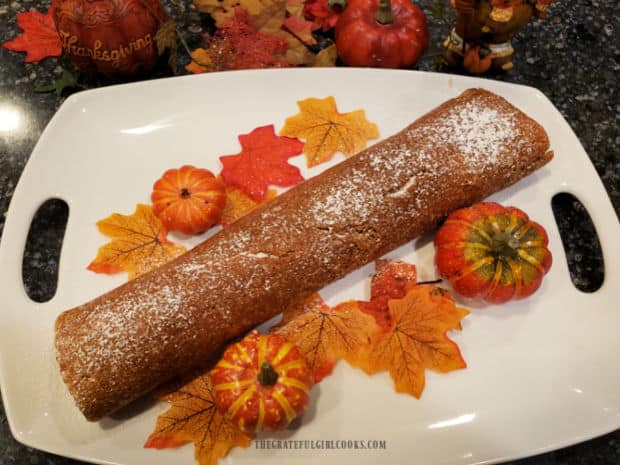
x: 572, y: 57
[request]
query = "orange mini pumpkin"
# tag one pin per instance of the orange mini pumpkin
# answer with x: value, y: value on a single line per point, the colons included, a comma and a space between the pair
x: 188, y: 199
x: 262, y: 383
x: 492, y: 252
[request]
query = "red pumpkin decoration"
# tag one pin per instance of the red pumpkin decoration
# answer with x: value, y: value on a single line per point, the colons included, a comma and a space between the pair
x: 115, y: 38
x: 381, y: 34
x: 262, y: 383
x: 188, y: 199
x: 492, y: 252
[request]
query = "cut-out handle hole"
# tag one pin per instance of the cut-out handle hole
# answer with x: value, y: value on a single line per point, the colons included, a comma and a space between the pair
x: 580, y: 241
x: 42, y: 252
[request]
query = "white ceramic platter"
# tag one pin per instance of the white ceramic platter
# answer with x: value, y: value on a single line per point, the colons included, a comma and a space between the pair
x: 542, y: 373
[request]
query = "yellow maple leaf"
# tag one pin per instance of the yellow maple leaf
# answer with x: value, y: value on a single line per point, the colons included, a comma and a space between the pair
x: 238, y: 203
x: 417, y: 339
x: 138, y: 244
x: 194, y: 417
x: 324, y: 334
x: 326, y: 131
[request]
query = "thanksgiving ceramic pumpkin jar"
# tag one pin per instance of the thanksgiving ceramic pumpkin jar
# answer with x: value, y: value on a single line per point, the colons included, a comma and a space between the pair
x: 115, y: 38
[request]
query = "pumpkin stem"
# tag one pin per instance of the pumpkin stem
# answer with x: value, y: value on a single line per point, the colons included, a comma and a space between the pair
x: 336, y: 5
x: 267, y: 376
x: 384, y: 14
x: 185, y: 193
x: 505, y: 244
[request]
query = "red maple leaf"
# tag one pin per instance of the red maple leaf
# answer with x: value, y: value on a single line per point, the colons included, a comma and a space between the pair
x: 392, y: 280
x: 262, y: 162
x: 251, y: 48
x: 322, y: 14
x: 39, y: 39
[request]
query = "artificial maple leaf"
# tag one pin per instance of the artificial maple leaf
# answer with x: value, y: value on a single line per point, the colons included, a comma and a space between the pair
x: 40, y: 38
x: 268, y: 17
x: 324, y: 334
x: 237, y: 44
x: 262, y: 162
x: 327, y: 131
x: 297, y: 31
x: 249, y: 46
x: 201, y: 61
x: 138, y: 245
x: 392, y: 280
x: 265, y: 14
x: 194, y: 417
x: 166, y: 39
x: 417, y: 339
x: 238, y: 203
x: 300, y: 28
x: 326, y: 57
x: 323, y: 13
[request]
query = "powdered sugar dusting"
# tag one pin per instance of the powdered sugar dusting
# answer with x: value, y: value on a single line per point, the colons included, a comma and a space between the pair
x: 472, y: 137
x: 480, y: 134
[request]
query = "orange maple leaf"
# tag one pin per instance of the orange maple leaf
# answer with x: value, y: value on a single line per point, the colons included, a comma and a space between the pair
x: 138, y: 244
x: 326, y: 131
x: 417, y: 339
x: 193, y: 417
x: 238, y: 203
x: 201, y: 62
x: 325, y: 334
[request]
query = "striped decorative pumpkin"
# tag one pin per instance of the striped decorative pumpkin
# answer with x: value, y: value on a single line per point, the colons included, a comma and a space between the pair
x: 262, y: 383
x: 188, y: 199
x: 492, y: 252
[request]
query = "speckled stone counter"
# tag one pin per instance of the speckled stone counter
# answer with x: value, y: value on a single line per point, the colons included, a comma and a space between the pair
x: 573, y: 57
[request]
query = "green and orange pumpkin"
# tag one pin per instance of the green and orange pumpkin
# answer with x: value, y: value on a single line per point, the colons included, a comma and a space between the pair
x: 492, y: 252
x: 188, y: 199
x: 262, y: 383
